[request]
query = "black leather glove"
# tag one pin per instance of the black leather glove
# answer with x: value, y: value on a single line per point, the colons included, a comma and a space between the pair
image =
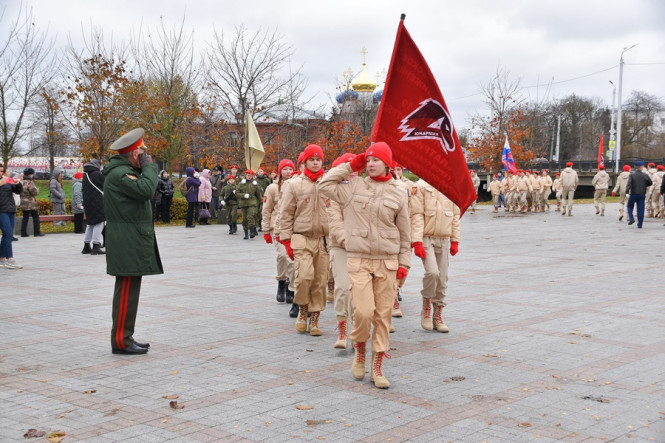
x: 144, y: 159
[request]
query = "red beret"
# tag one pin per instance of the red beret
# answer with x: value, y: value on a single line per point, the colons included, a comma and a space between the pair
x: 249, y: 171
x: 234, y: 167
x: 652, y: 164
x: 569, y: 164
x: 661, y: 167
x: 558, y: 173
x: 344, y: 158
x: 78, y: 175
x: 601, y: 167
x: 626, y: 168
x: 231, y: 177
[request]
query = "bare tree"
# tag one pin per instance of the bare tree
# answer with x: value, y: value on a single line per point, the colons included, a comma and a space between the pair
x: 49, y: 128
x: 641, y: 108
x: 25, y: 68
x: 246, y: 73
x: 166, y: 66
x: 502, y: 96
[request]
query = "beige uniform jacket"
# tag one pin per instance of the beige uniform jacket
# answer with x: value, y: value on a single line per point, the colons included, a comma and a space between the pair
x: 476, y: 181
x: 547, y: 182
x: 622, y: 182
x: 569, y: 179
x: 657, y: 181
x: 536, y: 183
x: 336, y: 224
x: 556, y: 185
x: 432, y: 214
x: 302, y: 209
x: 495, y: 187
x: 270, y: 212
x: 376, y: 215
x: 524, y: 184
x: 601, y: 181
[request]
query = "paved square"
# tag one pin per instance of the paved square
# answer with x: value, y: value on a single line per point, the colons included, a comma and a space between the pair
x: 557, y: 334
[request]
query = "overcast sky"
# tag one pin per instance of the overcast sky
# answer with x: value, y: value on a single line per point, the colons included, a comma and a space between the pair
x: 563, y: 42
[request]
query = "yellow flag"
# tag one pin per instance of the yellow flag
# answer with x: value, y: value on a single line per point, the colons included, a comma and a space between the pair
x: 254, y: 152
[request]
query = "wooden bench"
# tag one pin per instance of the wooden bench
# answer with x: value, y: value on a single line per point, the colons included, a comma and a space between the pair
x: 42, y: 219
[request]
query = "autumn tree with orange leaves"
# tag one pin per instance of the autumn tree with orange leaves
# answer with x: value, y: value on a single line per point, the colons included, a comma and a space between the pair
x: 342, y: 136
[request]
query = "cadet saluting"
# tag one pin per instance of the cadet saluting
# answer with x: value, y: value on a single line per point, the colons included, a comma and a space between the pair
x: 378, y: 245
x: 131, y: 246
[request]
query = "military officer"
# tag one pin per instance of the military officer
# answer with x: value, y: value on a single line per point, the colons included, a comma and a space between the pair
x: 230, y: 202
x: 131, y: 246
x: 249, y: 196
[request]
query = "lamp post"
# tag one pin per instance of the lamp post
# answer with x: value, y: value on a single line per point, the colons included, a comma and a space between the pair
x: 619, y: 107
x: 613, y: 144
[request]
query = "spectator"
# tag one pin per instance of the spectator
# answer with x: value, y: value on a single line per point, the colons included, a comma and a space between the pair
x: 93, y: 204
x: 8, y: 187
x: 192, y: 196
x: 205, y: 196
x: 77, y: 203
x: 165, y: 189
x: 29, y: 205
x: 57, y: 195
x: 217, y: 182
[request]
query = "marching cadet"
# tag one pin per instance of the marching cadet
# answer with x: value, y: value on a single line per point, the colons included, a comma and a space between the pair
x: 407, y: 184
x: 131, y: 246
x: 338, y: 259
x: 509, y: 190
x: 495, y: 190
x: 651, y: 172
x: 376, y: 224
x: 270, y: 227
x: 556, y: 188
x: 230, y: 202
x: 263, y: 181
x: 303, y: 227
x: 435, y: 230
x: 601, y: 183
x: 249, y: 196
x: 547, y: 189
x: 657, y: 179
x: 536, y: 193
x: 569, y: 182
x: 523, y: 190
x: 476, y: 184
x: 234, y: 173
x: 620, y: 187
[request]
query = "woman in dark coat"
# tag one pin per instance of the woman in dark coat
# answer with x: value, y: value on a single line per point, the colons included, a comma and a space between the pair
x: 8, y: 187
x: 93, y: 205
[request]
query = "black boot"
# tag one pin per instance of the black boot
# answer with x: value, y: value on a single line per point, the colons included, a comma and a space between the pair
x: 235, y: 228
x: 252, y: 232
x: 246, y: 234
x: 293, y: 313
x: 97, y: 249
x: 86, y: 248
x: 281, y: 291
x: 289, y: 294
x: 230, y: 229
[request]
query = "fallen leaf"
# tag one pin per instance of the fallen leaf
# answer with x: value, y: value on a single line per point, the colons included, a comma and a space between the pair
x: 348, y: 425
x: 304, y: 407
x: 112, y: 412
x: 90, y: 391
x: 165, y: 420
x: 56, y: 436
x: 596, y: 417
x: 307, y: 371
x: 174, y: 372
x: 495, y: 355
x: 34, y: 433
x: 328, y: 421
x: 174, y: 405
x: 572, y: 342
x: 458, y: 378
x: 290, y: 383
x: 525, y: 424
x: 321, y: 438
x: 312, y: 422
x: 555, y: 376
x: 309, y: 350
x: 171, y: 397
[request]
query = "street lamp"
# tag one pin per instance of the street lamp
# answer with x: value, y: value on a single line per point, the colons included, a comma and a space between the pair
x: 619, y: 110
x: 612, y: 144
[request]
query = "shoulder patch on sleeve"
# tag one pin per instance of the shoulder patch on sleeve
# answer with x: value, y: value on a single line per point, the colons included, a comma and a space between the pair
x: 414, y: 190
x: 133, y: 177
x: 265, y: 198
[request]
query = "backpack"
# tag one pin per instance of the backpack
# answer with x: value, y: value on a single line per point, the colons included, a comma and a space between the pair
x: 183, y: 188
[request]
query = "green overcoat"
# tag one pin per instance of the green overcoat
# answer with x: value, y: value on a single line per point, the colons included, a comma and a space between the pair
x: 249, y: 189
x: 131, y: 246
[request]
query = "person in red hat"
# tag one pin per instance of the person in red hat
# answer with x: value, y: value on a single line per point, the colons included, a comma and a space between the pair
x: 476, y: 184
x: 229, y: 201
x: 523, y: 190
x: 601, y: 183
x: 620, y: 187
x: 77, y: 204
x: 654, y: 193
x: 510, y: 191
x: 495, y: 191
x: 407, y: 184
x: 536, y: 194
x: 569, y: 182
x: 234, y: 172
x: 547, y: 189
x: 270, y: 228
x: 303, y: 226
x: 338, y: 260
x: 378, y: 245
x: 249, y: 195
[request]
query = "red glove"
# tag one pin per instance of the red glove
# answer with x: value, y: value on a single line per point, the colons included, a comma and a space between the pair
x: 277, y: 239
x: 614, y: 194
x: 454, y: 248
x: 418, y: 249
x: 401, y: 273
x: 267, y: 238
x: 358, y: 163
x: 287, y: 245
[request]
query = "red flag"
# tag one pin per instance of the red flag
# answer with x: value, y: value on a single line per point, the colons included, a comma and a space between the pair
x: 601, y: 160
x: 414, y: 120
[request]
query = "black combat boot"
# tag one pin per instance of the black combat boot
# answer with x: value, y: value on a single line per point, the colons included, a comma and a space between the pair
x: 86, y: 248
x: 252, y: 232
x: 293, y: 313
x: 281, y: 291
x: 246, y: 237
x: 230, y: 229
x: 289, y: 293
x: 97, y: 249
x: 235, y: 228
